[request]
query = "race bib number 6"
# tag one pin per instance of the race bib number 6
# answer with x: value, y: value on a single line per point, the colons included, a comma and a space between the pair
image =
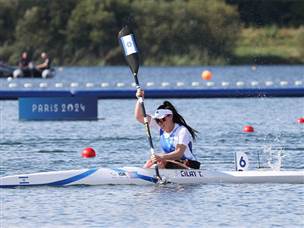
x: 241, y: 161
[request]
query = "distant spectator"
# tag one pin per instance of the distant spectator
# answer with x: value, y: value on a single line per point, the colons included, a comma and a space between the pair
x: 24, y: 61
x: 2, y: 63
x: 46, y: 64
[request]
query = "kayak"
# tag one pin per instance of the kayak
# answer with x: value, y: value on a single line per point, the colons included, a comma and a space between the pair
x: 14, y: 72
x: 146, y: 176
x: 33, y: 73
x: 6, y: 71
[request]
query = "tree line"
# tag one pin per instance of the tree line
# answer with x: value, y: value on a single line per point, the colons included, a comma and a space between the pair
x: 281, y: 13
x: 84, y: 32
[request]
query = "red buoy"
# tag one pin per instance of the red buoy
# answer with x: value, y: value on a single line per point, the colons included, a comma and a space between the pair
x: 301, y: 120
x: 248, y: 128
x: 88, y: 153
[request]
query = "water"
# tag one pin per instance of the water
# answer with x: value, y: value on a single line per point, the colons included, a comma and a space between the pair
x: 172, y: 75
x: 119, y: 140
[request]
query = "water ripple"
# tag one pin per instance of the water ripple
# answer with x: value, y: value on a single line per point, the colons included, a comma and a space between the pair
x: 29, y: 147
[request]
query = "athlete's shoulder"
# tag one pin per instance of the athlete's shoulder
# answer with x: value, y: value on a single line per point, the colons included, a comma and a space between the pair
x: 183, y: 130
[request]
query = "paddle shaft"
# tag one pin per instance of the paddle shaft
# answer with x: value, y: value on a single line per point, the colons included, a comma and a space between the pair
x: 146, y: 122
x: 129, y: 47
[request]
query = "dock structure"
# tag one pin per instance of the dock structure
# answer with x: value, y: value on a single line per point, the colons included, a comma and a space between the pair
x: 120, y: 90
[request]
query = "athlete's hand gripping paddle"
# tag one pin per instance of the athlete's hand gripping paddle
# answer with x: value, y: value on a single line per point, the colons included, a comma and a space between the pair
x: 128, y: 45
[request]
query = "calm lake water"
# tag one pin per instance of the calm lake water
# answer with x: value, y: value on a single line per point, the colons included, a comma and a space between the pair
x: 34, y: 146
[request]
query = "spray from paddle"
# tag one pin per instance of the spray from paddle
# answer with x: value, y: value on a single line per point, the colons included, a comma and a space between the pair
x: 128, y: 45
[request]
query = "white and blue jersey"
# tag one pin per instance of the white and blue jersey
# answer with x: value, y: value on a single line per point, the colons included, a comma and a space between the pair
x: 179, y: 135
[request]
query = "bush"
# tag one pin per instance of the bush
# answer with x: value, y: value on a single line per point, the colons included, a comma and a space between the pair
x: 85, y: 31
x: 300, y: 40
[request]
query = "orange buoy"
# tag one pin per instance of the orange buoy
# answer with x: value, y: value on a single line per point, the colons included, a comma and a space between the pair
x: 248, y: 128
x: 88, y: 153
x: 301, y: 120
x: 206, y: 75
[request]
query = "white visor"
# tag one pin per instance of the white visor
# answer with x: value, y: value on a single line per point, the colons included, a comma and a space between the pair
x: 161, y: 113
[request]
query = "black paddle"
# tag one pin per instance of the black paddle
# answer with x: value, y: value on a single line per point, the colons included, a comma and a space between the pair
x: 128, y: 45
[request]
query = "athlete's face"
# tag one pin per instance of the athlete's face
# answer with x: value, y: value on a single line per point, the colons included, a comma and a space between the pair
x: 166, y: 123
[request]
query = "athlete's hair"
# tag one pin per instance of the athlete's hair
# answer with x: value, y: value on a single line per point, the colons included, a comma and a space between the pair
x: 177, y: 118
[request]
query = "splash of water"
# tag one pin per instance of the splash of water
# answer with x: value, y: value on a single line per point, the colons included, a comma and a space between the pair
x: 274, y: 157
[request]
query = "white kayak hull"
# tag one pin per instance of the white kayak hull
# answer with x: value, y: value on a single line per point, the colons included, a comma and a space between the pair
x: 142, y: 176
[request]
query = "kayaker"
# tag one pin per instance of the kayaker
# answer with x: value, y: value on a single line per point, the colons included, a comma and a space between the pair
x: 176, y: 136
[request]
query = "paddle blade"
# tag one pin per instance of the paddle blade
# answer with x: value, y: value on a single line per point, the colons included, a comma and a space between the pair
x: 128, y: 45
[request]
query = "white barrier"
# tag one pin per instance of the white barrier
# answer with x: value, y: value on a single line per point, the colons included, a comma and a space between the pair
x: 149, y: 84
x: 210, y: 84
x: 254, y: 83
x: 43, y: 85
x: 59, y: 85
x: 283, y: 83
x: 74, y: 84
x: 104, y: 84
x: 12, y: 85
x: 89, y: 85
x: 195, y: 84
x: 225, y: 84
x: 240, y: 84
x: 298, y: 83
x: 27, y: 85
x: 120, y: 84
x: 269, y: 83
x: 165, y: 84
x: 180, y: 84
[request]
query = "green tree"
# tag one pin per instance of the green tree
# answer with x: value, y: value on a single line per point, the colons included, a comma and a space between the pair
x: 10, y: 12
x: 270, y: 12
x: 59, y: 13
x: 92, y: 29
x: 85, y: 31
x: 42, y: 28
x: 193, y: 31
x: 300, y: 40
